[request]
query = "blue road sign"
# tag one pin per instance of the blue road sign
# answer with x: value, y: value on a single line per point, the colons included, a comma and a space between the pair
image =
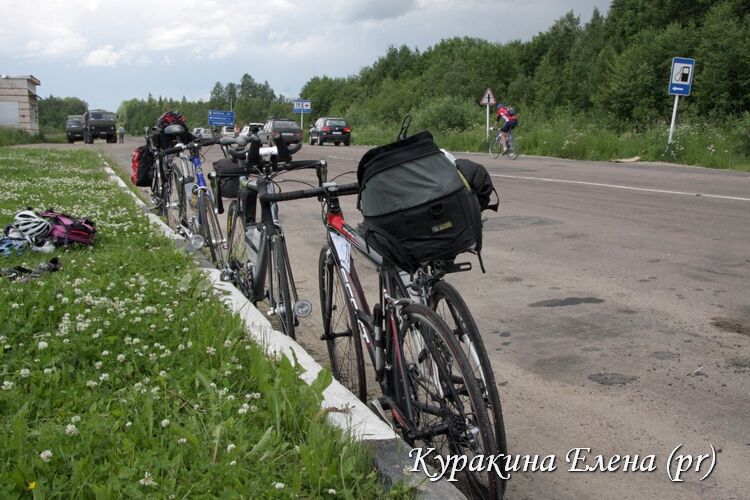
x: 302, y: 106
x: 219, y: 118
x: 681, y: 78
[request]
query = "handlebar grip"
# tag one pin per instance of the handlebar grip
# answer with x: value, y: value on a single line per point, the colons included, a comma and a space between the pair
x: 239, y: 155
x: 345, y: 189
x: 207, y: 142
x: 299, y: 165
x: 171, y: 151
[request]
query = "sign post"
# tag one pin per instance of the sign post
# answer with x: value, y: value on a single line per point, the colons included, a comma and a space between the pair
x: 303, y: 107
x: 680, y: 83
x: 487, y: 100
x: 217, y: 118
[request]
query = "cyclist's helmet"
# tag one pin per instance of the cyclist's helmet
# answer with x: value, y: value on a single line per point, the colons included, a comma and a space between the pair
x: 499, y: 105
x: 13, y: 232
x: 170, y: 118
x: 33, y: 227
x: 12, y: 246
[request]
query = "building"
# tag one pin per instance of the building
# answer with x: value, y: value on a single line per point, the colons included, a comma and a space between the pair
x: 18, y: 102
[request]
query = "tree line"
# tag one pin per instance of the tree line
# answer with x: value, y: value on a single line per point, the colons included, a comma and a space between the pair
x: 613, y: 69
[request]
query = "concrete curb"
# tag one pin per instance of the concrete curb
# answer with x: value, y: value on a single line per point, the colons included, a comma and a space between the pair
x: 343, y: 409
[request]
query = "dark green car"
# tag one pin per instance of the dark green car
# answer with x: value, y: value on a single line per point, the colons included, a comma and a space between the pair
x: 74, y: 128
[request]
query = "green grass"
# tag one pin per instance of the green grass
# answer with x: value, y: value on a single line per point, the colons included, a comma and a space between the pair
x: 12, y: 136
x: 123, y: 375
x: 695, y: 143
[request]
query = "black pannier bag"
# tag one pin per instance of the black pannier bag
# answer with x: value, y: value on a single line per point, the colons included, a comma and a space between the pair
x: 228, y: 186
x: 480, y: 183
x: 416, y: 207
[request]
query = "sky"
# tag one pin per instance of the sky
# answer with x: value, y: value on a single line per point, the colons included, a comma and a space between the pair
x: 105, y: 51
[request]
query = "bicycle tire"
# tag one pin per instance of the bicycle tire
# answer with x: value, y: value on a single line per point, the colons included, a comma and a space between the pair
x: 157, y: 189
x: 175, y: 202
x: 281, y: 301
x: 210, y: 229
x: 340, y: 331
x: 436, y: 355
x: 514, y: 149
x: 238, y: 252
x: 496, y: 149
x: 445, y: 300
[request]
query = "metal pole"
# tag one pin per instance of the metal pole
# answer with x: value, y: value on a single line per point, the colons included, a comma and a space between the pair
x: 487, y: 127
x: 674, y: 118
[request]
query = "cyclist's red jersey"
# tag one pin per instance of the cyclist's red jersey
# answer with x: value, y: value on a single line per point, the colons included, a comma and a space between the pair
x: 503, y: 111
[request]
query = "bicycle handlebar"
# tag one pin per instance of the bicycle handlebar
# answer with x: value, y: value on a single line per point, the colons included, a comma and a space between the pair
x: 343, y: 189
x: 196, y: 144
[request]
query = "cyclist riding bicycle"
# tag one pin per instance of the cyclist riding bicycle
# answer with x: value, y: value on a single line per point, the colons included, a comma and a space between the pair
x: 508, y: 115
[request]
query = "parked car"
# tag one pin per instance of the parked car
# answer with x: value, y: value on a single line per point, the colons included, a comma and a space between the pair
x: 74, y: 128
x: 289, y: 130
x: 228, y: 131
x: 329, y: 129
x: 247, y: 128
x: 203, y: 132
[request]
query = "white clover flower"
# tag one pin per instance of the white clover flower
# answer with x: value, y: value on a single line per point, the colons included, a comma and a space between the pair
x: 296, y: 448
x: 14, y: 306
x: 120, y: 358
x: 128, y: 424
x: 42, y: 345
x: 253, y: 408
x: 190, y: 344
x: 164, y: 423
x: 230, y: 447
x: 105, y: 353
x: 331, y: 491
x: 181, y: 441
x: 210, y: 350
x: 91, y: 384
x: 233, y: 463
x: 104, y: 377
x: 98, y: 365
x: 51, y: 308
x: 71, y: 430
x: 278, y: 486
x: 163, y: 373
x: 256, y: 395
x: 75, y: 419
x: 231, y: 397
x: 227, y: 343
x: 148, y: 480
x: 7, y: 385
x: 24, y: 373
x: 46, y: 455
x: 47, y: 371
x: 181, y: 347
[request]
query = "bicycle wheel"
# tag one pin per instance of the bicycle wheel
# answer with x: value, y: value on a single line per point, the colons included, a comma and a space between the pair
x: 340, y: 328
x: 449, y: 412
x: 175, y: 201
x: 210, y: 229
x: 238, y: 255
x: 451, y: 307
x: 515, y: 148
x: 280, y: 298
x: 157, y: 189
x: 496, y: 148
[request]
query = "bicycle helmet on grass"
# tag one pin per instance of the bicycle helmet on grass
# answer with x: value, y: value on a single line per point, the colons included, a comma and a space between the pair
x: 12, y: 246
x: 33, y: 227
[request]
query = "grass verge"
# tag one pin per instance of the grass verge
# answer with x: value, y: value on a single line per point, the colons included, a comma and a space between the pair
x: 725, y: 146
x: 11, y: 136
x: 123, y: 375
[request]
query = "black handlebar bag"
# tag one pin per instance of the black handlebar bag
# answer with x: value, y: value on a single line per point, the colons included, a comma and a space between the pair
x: 416, y: 207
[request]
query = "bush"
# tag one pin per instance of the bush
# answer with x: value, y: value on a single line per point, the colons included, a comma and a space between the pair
x: 10, y: 136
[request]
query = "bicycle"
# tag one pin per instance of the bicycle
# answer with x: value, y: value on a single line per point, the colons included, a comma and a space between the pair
x: 257, y: 257
x: 496, y: 148
x: 189, y: 204
x: 426, y: 381
x: 429, y: 288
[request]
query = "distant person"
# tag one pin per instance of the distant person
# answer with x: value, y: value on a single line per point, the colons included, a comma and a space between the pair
x: 510, y: 121
x: 121, y: 135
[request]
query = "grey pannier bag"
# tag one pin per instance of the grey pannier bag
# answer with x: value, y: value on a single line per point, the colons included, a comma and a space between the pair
x: 416, y: 207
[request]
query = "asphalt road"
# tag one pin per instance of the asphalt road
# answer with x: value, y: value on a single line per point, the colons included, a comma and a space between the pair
x: 616, y: 311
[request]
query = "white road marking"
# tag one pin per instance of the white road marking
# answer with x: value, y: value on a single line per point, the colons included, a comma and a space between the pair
x: 617, y: 186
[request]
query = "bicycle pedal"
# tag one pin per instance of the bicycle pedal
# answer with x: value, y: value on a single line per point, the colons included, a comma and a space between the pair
x: 378, y: 408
